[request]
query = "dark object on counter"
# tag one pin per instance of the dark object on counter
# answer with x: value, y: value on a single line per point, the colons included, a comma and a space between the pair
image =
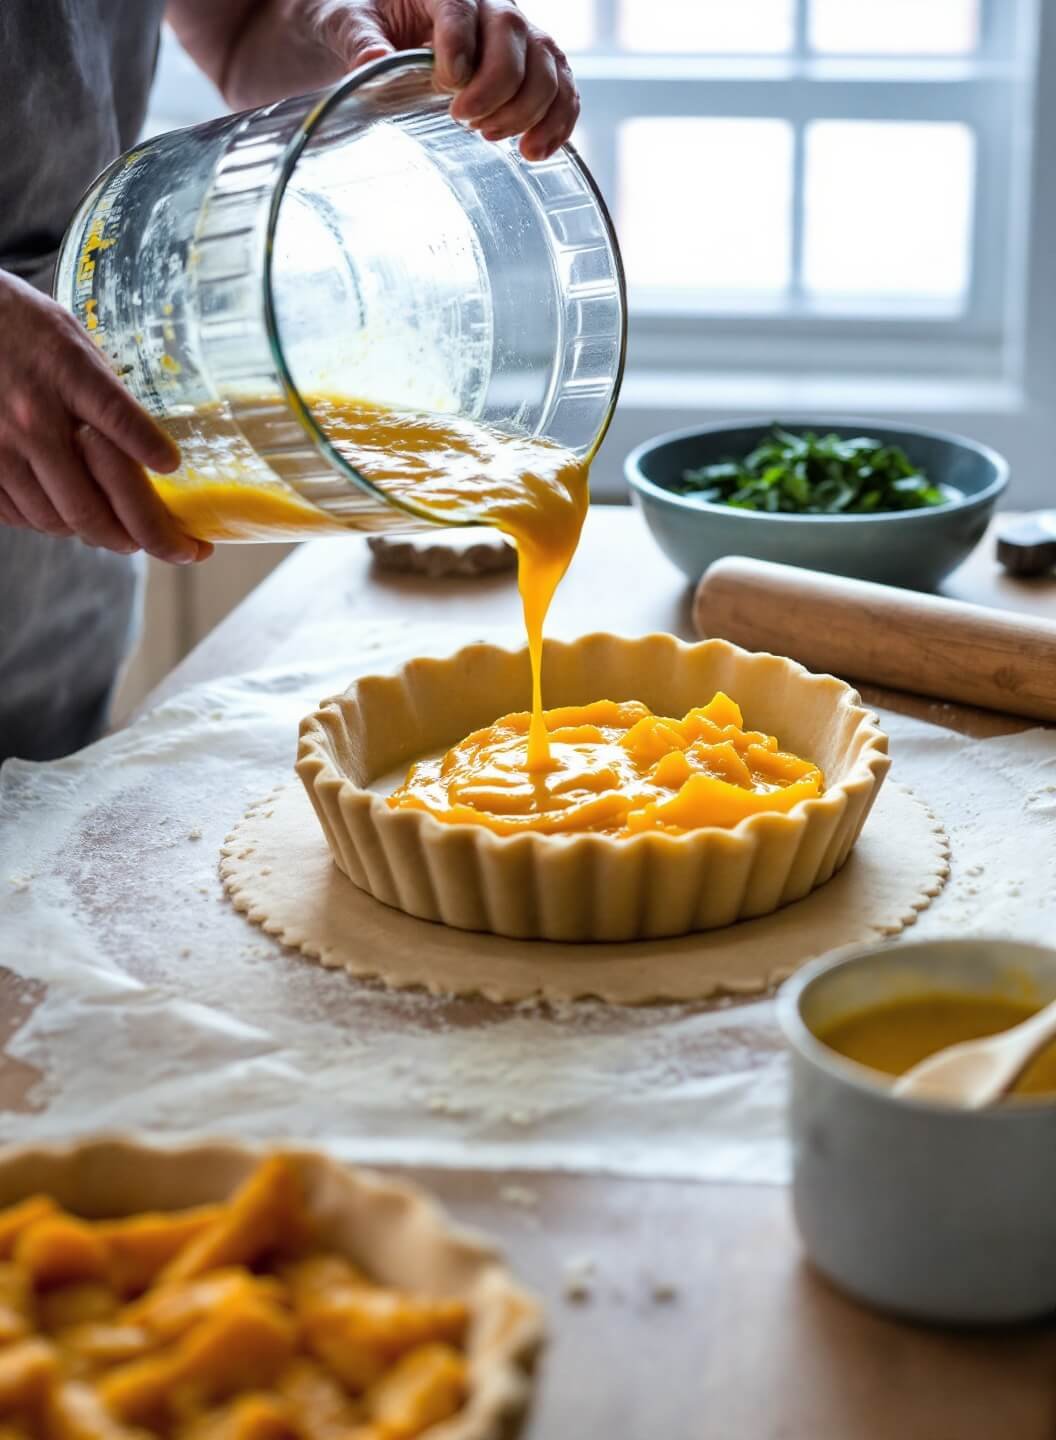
x: 1026, y: 546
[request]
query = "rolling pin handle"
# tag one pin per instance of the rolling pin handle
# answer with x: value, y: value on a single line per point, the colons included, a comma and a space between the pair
x: 899, y: 639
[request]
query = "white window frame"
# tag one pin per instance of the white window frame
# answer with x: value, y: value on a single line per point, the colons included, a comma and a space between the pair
x: 989, y: 369
x: 984, y: 91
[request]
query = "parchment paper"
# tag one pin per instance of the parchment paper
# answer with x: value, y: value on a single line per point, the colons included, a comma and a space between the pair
x: 142, y: 1001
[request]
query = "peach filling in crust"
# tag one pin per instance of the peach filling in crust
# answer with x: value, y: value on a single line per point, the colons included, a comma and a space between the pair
x: 613, y: 769
x: 223, y: 1323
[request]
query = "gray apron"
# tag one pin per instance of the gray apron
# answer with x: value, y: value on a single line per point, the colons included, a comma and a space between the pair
x: 75, y: 76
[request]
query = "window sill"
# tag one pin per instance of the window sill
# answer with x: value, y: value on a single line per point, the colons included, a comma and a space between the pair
x: 1001, y: 414
x: 755, y: 393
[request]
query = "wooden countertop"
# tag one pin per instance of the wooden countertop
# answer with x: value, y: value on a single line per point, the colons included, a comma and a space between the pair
x: 619, y: 581
x: 750, y: 1345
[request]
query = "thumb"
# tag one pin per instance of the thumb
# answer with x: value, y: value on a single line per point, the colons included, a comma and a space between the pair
x: 357, y: 35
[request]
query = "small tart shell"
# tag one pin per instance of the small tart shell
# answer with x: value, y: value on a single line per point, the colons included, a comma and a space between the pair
x: 587, y: 887
x: 391, y: 1230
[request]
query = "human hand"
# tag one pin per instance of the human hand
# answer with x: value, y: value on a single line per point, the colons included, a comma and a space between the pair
x: 510, y: 77
x: 73, y: 441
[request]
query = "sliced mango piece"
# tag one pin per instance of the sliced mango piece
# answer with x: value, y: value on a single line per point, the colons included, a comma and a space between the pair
x: 27, y: 1370
x: 169, y: 1311
x: 17, y: 1218
x: 321, y: 1276
x: 98, y: 1344
x: 61, y: 1250
x: 76, y: 1305
x: 723, y: 711
x: 359, y: 1334
x: 672, y: 770
x: 424, y: 1388
x: 779, y: 765
x: 73, y: 1411
x: 267, y: 1211
x: 724, y: 761
x: 251, y: 1417
x: 242, y: 1346
x: 697, y: 726
x: 142, y: 1245
x: 17, y: 1306
x: 722, y: 803
x: 323, y: 1408
x: 653, y: 737
x: 137, y: 1393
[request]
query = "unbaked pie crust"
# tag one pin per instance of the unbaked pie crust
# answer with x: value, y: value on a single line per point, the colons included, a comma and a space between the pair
x: 587, y: 887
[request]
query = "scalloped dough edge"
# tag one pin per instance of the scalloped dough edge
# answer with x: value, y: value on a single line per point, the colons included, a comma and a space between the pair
x: 277, y: 870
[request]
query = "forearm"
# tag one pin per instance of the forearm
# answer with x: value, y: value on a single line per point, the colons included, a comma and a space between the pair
x: 257, y: 52
x: 508, y: 78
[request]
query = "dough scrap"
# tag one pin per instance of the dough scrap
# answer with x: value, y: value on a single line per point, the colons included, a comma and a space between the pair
x: 463, y: 554
x: 277, y: 869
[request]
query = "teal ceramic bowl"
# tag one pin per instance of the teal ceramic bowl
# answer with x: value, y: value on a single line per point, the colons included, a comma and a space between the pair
x: 915, y: 549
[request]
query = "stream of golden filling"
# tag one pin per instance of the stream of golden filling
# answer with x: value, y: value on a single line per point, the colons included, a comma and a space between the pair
x: 615, y: 769
x: 531, y: 489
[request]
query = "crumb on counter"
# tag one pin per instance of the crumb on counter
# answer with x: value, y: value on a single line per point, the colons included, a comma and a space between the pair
x: 579, y: 1278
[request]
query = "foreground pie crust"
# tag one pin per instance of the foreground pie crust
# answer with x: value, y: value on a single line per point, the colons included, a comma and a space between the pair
x: 586, y: 887
x: 393, y: 1230
x: 277, y: 869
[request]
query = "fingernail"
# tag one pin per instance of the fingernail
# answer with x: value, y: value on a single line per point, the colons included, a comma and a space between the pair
x: 461, y: 71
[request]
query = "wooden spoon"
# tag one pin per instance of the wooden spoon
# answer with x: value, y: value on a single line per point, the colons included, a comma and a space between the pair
x: 976, y: 1073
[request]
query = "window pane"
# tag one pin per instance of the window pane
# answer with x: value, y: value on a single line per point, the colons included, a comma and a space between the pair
x: 888, y: 208
x: 894, y: 27
x: 570, y: 22
x: 717, y: 27
x: 706, y: 205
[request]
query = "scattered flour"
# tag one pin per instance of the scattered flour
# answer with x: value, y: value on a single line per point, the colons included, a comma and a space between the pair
x: 209, y: 1025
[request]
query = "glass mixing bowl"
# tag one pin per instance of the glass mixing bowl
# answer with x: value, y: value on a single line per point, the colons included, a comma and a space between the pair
x: 358, y: 243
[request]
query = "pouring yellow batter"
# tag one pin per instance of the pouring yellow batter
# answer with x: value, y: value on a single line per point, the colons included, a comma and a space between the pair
x: 613, y: 769
x: 531, y: 489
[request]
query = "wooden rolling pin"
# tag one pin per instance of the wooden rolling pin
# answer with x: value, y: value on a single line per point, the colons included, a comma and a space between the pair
x: 878, y: 635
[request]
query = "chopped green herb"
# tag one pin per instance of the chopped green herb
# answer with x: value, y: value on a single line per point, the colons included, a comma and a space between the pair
x: 815, y: 475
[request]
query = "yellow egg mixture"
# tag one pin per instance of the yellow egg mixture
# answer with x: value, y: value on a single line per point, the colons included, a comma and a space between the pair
x: 896, y: 1036
x: 615, y: 769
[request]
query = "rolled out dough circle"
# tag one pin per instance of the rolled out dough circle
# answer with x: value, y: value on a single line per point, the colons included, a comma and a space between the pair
x: 277, y: 869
